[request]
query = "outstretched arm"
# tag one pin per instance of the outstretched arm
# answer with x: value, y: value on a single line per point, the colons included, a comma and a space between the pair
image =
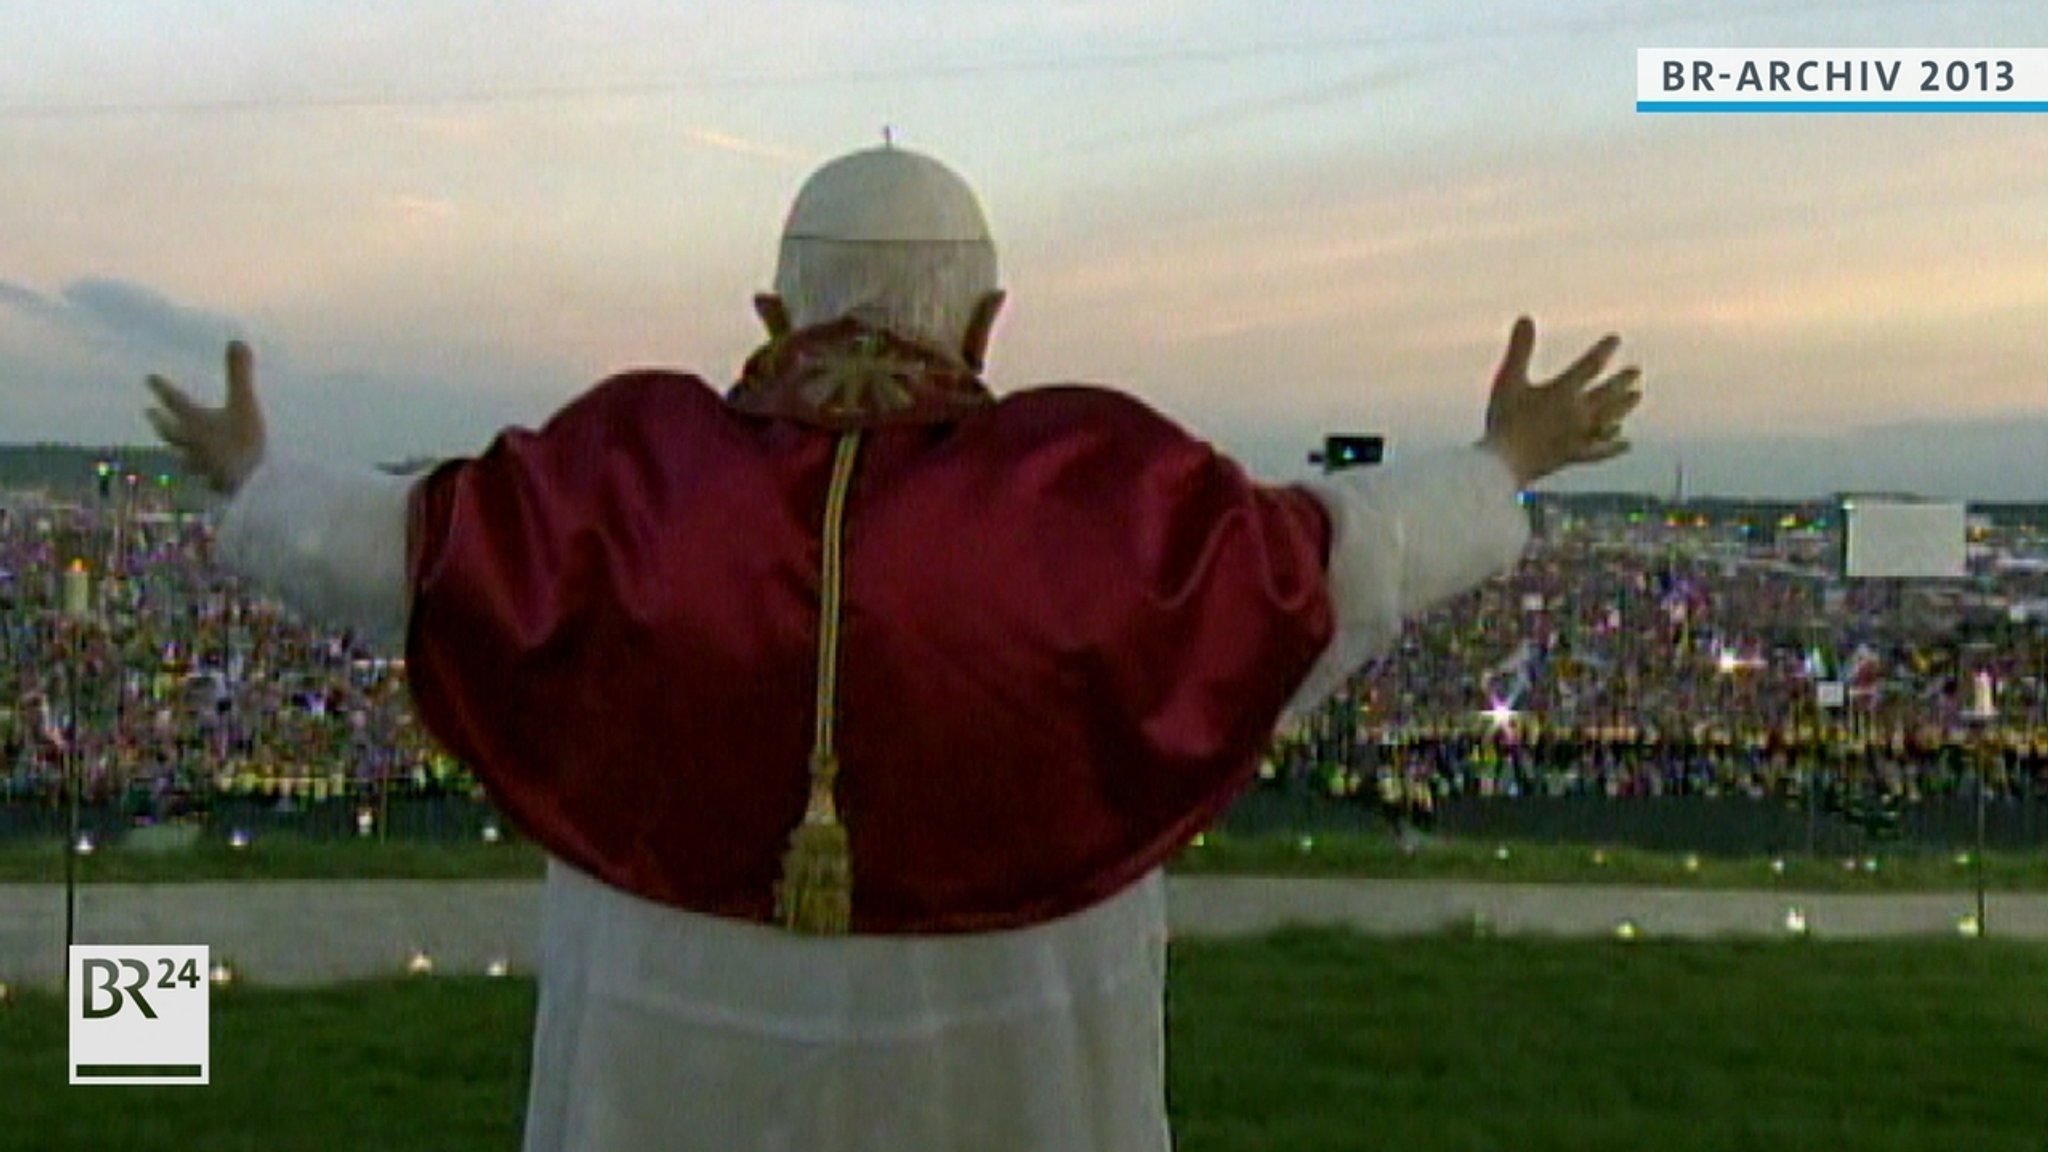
x: 1410, y: 537
x: 329, y: 542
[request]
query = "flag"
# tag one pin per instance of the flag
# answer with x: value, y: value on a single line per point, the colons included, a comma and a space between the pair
x: 1820, y: 665
x: 1516, y: 670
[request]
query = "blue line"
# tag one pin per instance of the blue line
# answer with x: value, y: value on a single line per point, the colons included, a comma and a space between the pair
x: 1841, y: 106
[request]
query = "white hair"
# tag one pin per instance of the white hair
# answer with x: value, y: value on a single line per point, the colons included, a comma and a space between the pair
x: 924, y: 290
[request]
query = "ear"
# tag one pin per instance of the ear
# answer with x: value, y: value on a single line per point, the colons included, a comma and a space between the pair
x: 974, y: 347
x: 774, y: 314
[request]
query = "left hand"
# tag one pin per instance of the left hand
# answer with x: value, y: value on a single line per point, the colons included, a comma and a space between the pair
x: 225, y: 444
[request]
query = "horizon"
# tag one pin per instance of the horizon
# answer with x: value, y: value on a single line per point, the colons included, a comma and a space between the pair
x: 1666, y: 494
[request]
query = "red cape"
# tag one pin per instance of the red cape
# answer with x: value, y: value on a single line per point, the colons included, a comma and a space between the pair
x: 1069, y: 630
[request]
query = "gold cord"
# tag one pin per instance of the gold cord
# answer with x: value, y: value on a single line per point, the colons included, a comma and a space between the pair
x: 815, y: 894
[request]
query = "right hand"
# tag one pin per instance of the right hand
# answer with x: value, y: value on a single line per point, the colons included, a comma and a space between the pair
x: 1539, y: 428
x: 223, y: 444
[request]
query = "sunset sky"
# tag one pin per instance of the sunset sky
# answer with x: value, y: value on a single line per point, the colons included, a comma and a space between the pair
x: 435, y: 218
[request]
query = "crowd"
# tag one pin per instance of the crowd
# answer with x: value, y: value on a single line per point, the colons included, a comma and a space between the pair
x: 166, y: 684
x: 1674, y: 658
x: 1627, y: 656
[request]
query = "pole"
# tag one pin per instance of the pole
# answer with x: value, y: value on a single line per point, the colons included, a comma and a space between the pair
x: 1325, y: 739
x: 71, y: 835
x: 2035, y: 734
x: 1983, y: 786
x: 1818, y: 750
x: 1810, y: 765
x: 1980, y: 716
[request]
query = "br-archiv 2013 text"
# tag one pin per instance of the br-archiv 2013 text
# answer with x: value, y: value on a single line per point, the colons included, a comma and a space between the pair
x: 1862, y: 76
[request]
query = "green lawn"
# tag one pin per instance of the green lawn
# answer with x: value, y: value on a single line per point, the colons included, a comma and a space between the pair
x: 1303, y: 1041
x: 285, y: 857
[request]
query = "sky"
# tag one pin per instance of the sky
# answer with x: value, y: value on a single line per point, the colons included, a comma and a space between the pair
x: 433, y: 219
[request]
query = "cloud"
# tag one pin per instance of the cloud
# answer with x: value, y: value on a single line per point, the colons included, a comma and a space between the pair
x: 72, y: 361
x: 31, y: 303
x: 421, y: 209
x: 340, y: 399
x: 101, y: 309
x: 740, y: 146
x: 1352, y: 91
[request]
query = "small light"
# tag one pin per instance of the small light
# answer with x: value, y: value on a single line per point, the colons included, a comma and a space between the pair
x: 1501, y: 853
x: 1778, y: 866
x: 1795, y: 921
x: 420, y: 964
x: 1627, y: 931
x: 366, y: 821
x: 497, y: 968
x: 1692, y: 862
x: 1201, y: 838
x: 1969, y: 927
x: 491, y: 834
x: 1870, y: 863
x: 238, y: 839
x: 1963, y: 860
x: 1849, y: 865
x: 1306, y: 843
x: 220, y: 975
x: 84, y: 846
x: 1599, y: 858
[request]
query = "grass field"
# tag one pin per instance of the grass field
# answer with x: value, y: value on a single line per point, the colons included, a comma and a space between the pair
x: 285, y: 857
x: 1304, y: 1041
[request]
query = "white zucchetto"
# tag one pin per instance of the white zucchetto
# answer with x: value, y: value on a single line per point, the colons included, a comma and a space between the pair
x: 886, y: 195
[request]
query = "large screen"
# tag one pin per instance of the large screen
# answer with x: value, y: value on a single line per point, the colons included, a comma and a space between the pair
x: 1896, y: 540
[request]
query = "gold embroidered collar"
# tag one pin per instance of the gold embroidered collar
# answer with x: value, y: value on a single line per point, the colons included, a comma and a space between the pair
x: 847, y: 375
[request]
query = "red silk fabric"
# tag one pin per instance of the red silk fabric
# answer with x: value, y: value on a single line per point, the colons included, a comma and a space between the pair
x: 1069, y: 630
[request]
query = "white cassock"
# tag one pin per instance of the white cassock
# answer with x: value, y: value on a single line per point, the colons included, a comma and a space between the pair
x: 665, y: 1029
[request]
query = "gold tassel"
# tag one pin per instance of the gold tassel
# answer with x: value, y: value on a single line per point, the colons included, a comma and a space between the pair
x: 815, y: 895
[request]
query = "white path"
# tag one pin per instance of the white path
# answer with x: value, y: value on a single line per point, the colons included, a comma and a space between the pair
x: 313, y: 932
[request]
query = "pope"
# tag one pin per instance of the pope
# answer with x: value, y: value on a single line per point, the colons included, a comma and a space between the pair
x: 857, y: 707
